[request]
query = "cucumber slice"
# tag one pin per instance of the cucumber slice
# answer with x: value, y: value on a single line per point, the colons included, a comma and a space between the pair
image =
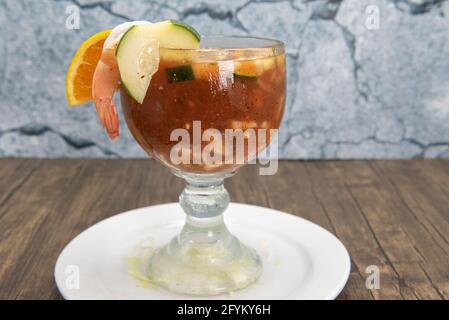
x: 193, y: 32
x: 176, y: 35
x: 138, y: 59
x: 180, y: 74
x: 243, y: 76
x: 245, y: 69
x: 250, y: 69
x: 138, y: 52
x: 206, y: 71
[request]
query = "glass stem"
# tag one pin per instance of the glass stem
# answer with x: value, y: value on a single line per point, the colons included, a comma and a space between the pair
x: 204, y: 200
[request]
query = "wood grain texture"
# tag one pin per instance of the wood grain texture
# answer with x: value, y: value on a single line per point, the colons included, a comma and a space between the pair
x: 392, y: 214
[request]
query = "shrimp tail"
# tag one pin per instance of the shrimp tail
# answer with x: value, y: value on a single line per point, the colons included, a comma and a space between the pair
x: 104, y: 85
x: 110, y: 122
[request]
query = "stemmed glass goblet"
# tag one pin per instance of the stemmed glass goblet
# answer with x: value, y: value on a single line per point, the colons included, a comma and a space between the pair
x: 229, y: 90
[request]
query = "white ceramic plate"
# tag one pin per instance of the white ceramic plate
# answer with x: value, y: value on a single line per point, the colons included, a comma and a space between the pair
x: 301, y: 260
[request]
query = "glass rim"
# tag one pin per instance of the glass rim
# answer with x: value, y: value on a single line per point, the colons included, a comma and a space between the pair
x: 275, y: 44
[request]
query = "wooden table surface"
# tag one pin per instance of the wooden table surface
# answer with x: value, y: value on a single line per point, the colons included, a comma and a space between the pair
x: 392, y: 214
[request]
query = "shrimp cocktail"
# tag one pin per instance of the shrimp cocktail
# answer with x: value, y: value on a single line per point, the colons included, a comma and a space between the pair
x: 202, y: 106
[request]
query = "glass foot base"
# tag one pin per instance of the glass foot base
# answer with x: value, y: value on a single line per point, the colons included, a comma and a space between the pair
x: 205, y: 258
x: 205, y: 268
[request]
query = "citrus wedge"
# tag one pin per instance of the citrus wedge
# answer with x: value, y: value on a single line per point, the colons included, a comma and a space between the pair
x: 82, y: 68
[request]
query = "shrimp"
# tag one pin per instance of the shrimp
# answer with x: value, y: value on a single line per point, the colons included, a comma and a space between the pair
x: 104, y: 84
x: 106, y: 80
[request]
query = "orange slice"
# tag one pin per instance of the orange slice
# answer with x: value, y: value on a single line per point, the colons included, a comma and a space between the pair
x: 78, y: 83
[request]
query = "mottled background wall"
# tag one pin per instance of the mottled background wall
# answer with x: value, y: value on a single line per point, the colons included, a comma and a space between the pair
x: 352, y: 92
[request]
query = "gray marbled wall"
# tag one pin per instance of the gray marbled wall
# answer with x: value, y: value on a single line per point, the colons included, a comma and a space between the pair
x: 356, y: 89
